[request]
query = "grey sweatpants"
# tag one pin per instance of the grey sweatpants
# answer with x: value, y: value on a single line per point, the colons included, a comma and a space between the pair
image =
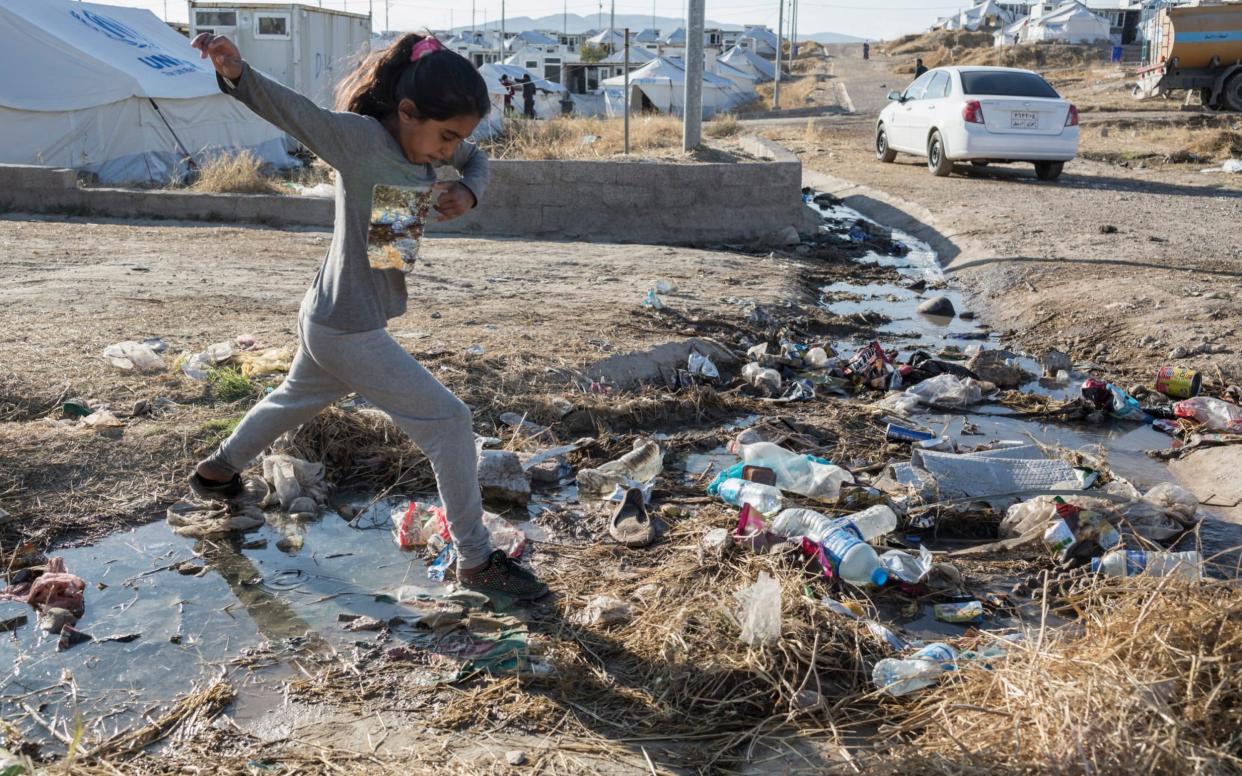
x: 331, y: 363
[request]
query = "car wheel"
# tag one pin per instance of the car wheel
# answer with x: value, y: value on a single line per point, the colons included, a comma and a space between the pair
x: 1048, y: 171
x: 882, y: 151
x: 937, y: 160
x: 1231, y: 97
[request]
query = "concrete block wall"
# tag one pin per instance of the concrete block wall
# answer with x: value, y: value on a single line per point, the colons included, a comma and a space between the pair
x: 601, y: 201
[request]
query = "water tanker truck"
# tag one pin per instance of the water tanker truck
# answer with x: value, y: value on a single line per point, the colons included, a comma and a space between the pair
x: 1195, y: 48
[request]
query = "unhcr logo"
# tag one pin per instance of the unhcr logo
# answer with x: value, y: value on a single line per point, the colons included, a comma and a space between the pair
x: 112, y: 28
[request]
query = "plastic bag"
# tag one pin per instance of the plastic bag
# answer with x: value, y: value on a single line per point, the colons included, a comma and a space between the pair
x: 1021, y: 519
x: 505, y: 536
x: 702, y: 366
x: 134, y: 356
x: 416, y: 524
x: 948, y: 391
x: 760, y: 611
x: 1176, y: 501
x: 1216, y: 414
x: 906, y: 567
x: 266, y: 362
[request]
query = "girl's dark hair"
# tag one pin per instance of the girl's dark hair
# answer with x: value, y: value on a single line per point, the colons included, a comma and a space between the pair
x: 442, y: 84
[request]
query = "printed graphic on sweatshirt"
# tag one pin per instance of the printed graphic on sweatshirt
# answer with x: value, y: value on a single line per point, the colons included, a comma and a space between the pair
x: 398, y: 215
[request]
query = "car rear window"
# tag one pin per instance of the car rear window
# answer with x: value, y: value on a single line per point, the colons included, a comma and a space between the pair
x: 1006, y: 84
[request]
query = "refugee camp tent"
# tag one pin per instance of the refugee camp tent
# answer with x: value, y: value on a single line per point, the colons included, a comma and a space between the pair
x: 638, y: 56
x: 761, y: 40
x: 115, y: 92
x: 613, y: 40
x: 985, y: 16
x: 660, y: 85
x: 742, y: 80
x: 1013, y: 34
x: 1070, y: 23
x: 548, y: 96
x: 749, y: 61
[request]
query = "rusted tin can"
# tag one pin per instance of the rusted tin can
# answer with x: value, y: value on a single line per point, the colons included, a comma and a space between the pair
x: 1178, y: 382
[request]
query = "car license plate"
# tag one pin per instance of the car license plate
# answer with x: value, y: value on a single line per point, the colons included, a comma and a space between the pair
x: 1023, y: 119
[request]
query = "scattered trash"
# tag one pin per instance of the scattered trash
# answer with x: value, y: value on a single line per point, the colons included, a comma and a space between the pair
x: 760, y: 611
x: 947, y: 391
x: 762, y: 378
x: 665, y: 287
x: 417, y: 525
x: 701, y: 366
x: 134, y: 356
x: 59, y: 597
x: 102, y: 419
x: 605, y: 610
x: 1214, y: 414
x: 505, y: 536
x: 999, y: 368
x: 290, y: 481
x: 765, y: 498
x: 526, y: 427
x: 805, y: 475
x: 653, y: 301
x: 907, y: 568
x: 991, y: 475
x: 922, y: 669
x: 1129, y: 563
x: 270, y: 361
x: 959, y: 611
x: 716, y: 541
x: 642, y: 464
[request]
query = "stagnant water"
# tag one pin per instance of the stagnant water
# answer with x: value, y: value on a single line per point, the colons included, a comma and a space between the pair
x: 254, y: 603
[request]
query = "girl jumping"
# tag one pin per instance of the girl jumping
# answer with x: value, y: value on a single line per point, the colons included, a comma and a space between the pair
x: 402, y: 111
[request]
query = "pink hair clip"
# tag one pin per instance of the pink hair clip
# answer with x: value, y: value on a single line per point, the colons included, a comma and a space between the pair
x: 424, y: 47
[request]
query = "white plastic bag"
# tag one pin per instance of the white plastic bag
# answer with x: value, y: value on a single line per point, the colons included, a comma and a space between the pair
x: 702, y: 366
x: 505, y: 536
x: 133, y: 356
x: 1176, y: 501
x: 948, y: 391
x: 760, y: 612
x: 1021, y: 519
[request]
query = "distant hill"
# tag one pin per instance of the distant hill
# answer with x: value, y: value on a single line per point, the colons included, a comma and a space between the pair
x: 830, y: 37
x: 575, y: 23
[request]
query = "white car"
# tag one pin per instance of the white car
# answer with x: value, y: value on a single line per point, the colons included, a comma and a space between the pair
x: 979, y: 115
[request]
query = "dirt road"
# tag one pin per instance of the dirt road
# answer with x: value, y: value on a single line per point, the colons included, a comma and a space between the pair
x: 1116, y: 265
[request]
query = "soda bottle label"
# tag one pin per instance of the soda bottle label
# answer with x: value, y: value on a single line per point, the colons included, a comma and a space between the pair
x: 1136, y: 562
x: 939, y: 653
x: 845, y: 524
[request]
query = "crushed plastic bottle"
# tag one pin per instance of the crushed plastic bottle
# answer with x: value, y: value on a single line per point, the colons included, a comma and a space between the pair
x: 642, y: 464
x: 868, y: 525
x: 652, y: 300
x: 898, y: 676
x: 852, y: 559
x: 1118, y: 403
x: 1216, y: 414
x: 803, y: 474
x: 1131, y: 563
x: 765, y: 498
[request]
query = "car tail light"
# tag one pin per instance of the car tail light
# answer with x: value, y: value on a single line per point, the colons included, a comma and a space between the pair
x: 973, y: 112
x: 1071, y: 120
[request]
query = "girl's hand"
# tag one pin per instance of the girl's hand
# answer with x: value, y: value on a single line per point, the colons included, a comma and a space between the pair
x: 454, y: 200
x: 225, y: 57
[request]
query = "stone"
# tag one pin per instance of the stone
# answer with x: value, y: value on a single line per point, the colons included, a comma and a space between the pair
x: 515, y: 757
x: 291, y: 543
x: 938, y: 305
x: 502, y: 478
x: 1181, y: 351
x: 716, y: 541
x: 787, y: 236
x: 360, y: 624
x: 303, y: 506
x: 1054, y: 361
x: 993, y: 366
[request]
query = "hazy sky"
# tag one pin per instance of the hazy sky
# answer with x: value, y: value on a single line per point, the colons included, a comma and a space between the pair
x: 865, y: 18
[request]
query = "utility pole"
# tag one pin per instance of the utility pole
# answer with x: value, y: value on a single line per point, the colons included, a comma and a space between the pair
x: 793, y: 36
x: 612, y: 19
x: 386, y: 4
x: 627, y: 91
x: 473, y: 23
x: 565, y: 19
x: 502, y: 30
x: 776, y: 88
x: 692, y: 121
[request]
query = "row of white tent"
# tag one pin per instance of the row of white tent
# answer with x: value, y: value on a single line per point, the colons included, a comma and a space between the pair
x: 1070, y: 22
x: 113, y: 91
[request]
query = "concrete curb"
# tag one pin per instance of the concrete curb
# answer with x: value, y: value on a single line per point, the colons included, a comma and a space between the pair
x: 605, y: 201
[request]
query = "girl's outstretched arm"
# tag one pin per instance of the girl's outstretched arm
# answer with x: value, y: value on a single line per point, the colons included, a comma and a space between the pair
x: 332, y: 136
x: 471, y: 162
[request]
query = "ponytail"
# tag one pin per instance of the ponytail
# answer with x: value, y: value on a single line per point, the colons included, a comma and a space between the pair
x: 441, y: 83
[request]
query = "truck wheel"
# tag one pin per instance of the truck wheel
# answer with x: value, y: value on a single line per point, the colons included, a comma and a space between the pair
x: 1048, y: 171
x: 882, y: 150
x: 937, y: 160
x: 1231, y: 96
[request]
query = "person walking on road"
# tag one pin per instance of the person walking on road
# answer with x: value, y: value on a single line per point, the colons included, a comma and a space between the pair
x: 866, y: 50
x: 919, y: 67
x: 510, y: 90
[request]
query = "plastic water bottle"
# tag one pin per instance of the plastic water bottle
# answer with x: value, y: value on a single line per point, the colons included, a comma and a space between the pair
x: 868, y: 525
x: 763, y: 498
x: 897, y: 676
x: 852, y: 559
x: 761, y: 377
x: 796, y: 473
x: 1130, y: 563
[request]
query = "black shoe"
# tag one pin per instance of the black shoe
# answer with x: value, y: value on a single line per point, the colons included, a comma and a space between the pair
x: 504, y: 576
x: 217, y: 491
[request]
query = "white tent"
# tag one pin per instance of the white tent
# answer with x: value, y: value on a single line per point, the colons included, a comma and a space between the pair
x: 1013, y: 34
x: 985, y: 15
x: 759, y: 39
x: 638, y: 56
x: 1070, y: 23
x: 613, y: 40
x: 749, y: 61
x: 114, y: 92
x: 548, y: 96
x: 662, y: 82
x: 742, y: 80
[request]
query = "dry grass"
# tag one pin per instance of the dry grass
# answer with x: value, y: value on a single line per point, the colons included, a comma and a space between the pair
x: 585, y: 138
x: 1196, y: 140
x: 1148, y: 680
x: 723, y: 126
x: 239, y: 173
x: 939, y: 39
